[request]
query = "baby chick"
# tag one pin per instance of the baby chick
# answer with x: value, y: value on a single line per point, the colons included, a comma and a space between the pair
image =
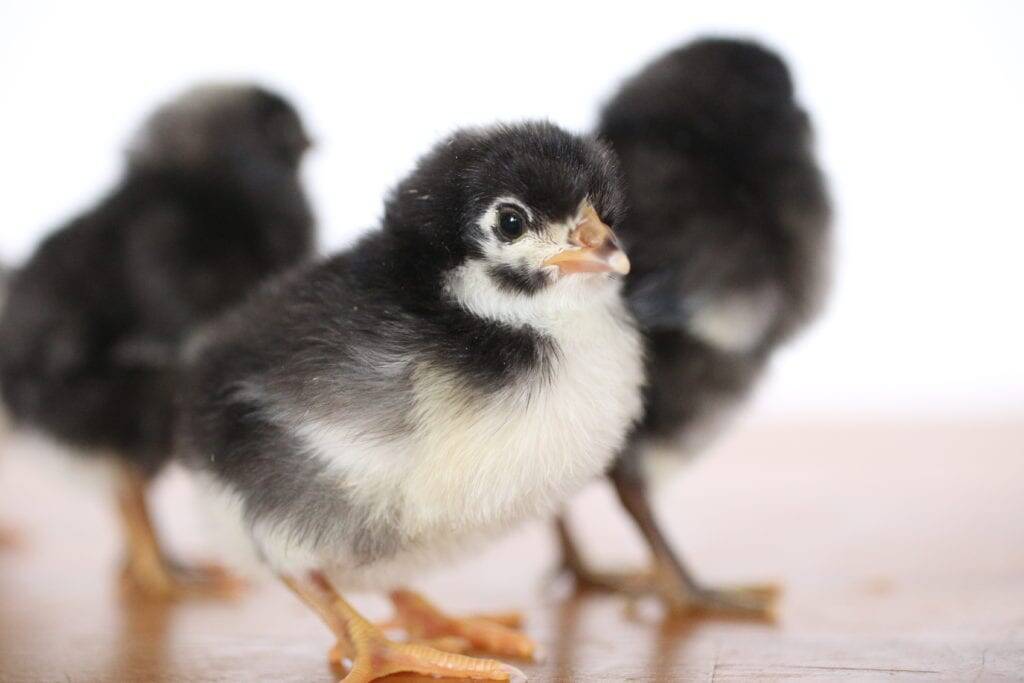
x: 209, y: 205
x: 464, y: 367
x: 728, y: 232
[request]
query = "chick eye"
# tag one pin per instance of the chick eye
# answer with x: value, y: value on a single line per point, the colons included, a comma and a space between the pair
x: 511, y: 223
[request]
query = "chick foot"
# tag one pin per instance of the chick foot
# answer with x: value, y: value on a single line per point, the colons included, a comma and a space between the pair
x: 376, y: 657
x: 147, y: 569
x: 495, y: 634
x: 160, y: 579
x: 459, y: 646
x: 681, y: 597
x: 373, y: 655
x: 669, y: 581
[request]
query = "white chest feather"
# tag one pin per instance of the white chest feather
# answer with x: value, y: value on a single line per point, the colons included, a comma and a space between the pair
x: 519, y: 451
x: 479, y: 460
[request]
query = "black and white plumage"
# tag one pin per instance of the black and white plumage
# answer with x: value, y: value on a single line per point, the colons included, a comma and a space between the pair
x: 727, y: 231
x: 464, y: 367
x: 209, y: 205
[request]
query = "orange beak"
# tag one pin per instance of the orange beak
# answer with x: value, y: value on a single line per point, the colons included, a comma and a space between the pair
x: 597, y: 251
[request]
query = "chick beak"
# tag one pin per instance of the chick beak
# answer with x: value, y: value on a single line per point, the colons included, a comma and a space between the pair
x: 597, y: 248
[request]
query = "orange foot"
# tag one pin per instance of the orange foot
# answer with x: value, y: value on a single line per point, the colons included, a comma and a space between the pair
x: 161, y: 579
x: 372, y: 655
x: 148, y: 571
x: 494, y: 634
x: 340, y: 652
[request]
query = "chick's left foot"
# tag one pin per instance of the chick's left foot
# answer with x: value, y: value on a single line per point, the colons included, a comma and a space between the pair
x: 148, y: 570
x: 495, y: 634
x: 680, y: 597
x: 754, y: 601
x: 158, y: 578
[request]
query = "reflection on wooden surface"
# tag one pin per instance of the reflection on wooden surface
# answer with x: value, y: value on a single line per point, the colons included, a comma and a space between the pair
x: 900, y: 547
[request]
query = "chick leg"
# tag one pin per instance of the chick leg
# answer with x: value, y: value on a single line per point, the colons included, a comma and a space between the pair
x: 494, y: 634
x: 147, y: 569
x: 372, y: 655
x: 668, y: 577
x: 586, y: 576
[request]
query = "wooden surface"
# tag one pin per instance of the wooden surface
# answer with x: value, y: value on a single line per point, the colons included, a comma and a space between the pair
x: 900, y: 547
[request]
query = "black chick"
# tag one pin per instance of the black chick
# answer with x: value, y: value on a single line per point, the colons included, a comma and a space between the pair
x: 210, y: 204
x: 728, y: 232
x: 466, y: 366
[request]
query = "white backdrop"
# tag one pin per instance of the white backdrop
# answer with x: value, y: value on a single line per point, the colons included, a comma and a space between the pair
x: 919, y: 111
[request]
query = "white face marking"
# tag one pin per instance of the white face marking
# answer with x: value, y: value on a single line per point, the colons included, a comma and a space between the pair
x: 533, y: 247
x: 474, y: 287
x: 530, y: 250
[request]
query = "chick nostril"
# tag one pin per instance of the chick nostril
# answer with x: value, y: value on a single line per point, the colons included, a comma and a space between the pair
x: 589, y: 234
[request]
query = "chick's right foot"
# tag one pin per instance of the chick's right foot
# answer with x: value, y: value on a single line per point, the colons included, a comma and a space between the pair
x: 374, y: 656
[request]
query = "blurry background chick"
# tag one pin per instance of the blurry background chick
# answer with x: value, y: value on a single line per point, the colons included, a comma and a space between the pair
x: 727, y: 231
x: 465, y: 367
x: 210, y: 204
x: 7, y: 535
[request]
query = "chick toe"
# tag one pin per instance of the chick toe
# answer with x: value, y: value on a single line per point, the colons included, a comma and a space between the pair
x: 494, y: 634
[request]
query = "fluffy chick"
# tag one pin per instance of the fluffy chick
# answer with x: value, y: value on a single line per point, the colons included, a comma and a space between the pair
x: 728, y: 233
x: 467, y: 365
x: 210, y: 204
